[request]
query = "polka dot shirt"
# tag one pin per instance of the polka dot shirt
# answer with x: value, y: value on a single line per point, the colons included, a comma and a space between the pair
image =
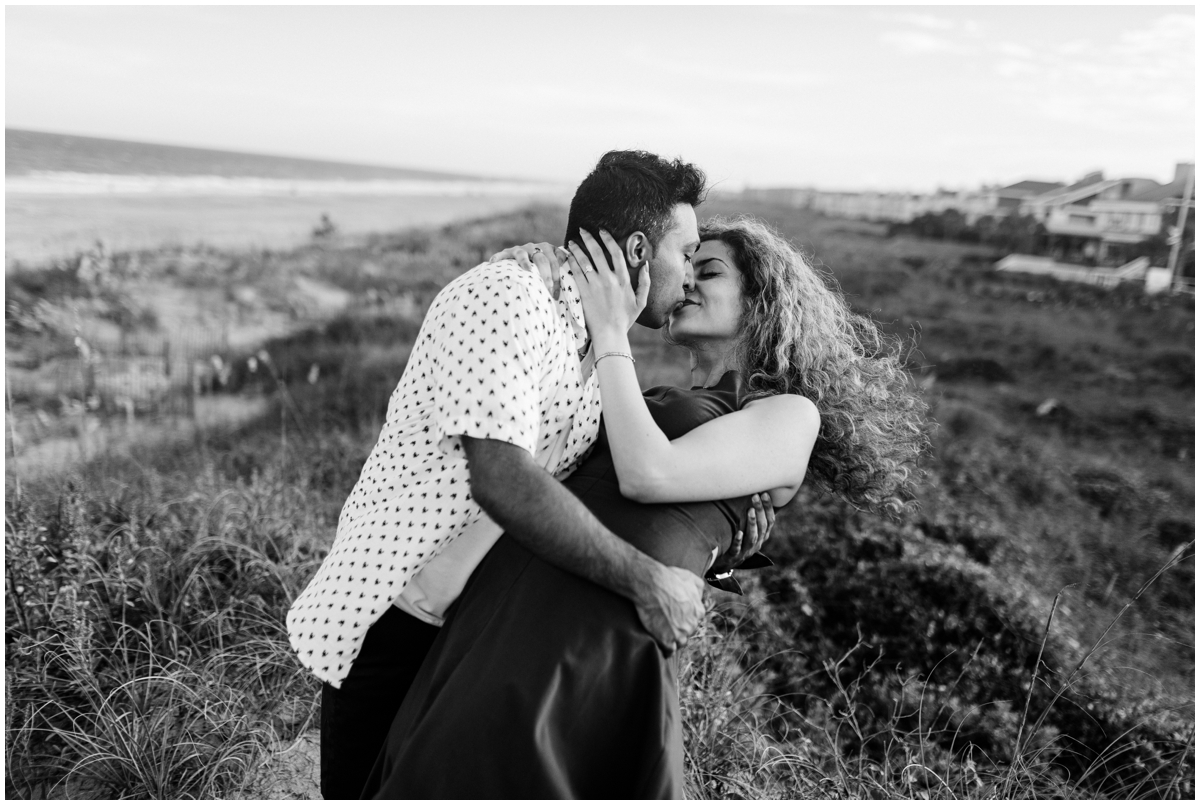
x: 496, y: 358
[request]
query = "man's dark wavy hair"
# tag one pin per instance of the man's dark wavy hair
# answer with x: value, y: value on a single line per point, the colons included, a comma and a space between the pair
x: 633, y: 191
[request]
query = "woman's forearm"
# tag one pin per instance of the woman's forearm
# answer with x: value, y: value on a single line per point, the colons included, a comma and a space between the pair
x: 763, y: 446
x: 638, y: 446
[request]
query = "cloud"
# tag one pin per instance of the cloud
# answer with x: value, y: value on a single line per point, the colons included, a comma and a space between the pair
x: 1014, y: 50
x: 923, y: 33
x: 1167, y: 32
x: 762, y: 78
x: 1138, y: 79
x: 919, y: 43
x: 929, y: 21
x: 1014, y: 68
x: 1074, y: 47
x: 774, y: 78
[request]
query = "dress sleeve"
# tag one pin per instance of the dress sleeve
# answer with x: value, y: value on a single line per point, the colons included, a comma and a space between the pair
x: 490, y: 357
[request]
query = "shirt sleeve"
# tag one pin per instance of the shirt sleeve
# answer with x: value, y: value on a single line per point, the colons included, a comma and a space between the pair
x: 488, y: 358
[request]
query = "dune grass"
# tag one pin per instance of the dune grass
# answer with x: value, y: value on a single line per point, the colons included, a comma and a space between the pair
x: 146, y: 606
x: 1027, y: 634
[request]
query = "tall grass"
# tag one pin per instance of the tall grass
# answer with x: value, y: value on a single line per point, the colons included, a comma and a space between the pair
x: 1028, y: 634
x: 146, y: 655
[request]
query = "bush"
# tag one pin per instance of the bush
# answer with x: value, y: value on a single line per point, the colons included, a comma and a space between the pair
x: 966, y: 422
x: 985, y: 370
x: 1107, y: 490
x: 935, y: 649
x: 1174, y: 368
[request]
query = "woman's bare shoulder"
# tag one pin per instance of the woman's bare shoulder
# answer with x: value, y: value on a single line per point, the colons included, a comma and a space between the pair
x: 790, y: 405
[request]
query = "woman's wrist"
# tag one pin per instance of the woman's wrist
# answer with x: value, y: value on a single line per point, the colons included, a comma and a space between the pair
x: 605, y: 340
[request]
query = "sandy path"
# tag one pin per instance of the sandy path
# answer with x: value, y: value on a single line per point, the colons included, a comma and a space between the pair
x: 292, y: 771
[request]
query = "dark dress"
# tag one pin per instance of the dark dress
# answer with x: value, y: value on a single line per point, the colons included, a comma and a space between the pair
x: 545, y: 685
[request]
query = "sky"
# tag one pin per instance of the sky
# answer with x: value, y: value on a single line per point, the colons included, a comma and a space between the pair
x: 837, y: 97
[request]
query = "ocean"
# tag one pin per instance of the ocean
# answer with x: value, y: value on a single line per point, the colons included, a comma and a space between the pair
x: 63, y: 193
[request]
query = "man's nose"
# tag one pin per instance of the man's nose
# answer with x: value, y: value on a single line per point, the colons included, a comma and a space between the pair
x: 689, y: 278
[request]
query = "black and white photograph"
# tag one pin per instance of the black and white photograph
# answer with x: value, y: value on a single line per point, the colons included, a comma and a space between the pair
x: 476, y: 402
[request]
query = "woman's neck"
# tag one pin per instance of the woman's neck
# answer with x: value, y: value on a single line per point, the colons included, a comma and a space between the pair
x: 710, y: 362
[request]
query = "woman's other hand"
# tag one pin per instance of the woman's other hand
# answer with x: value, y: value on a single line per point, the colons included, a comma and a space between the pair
x: 610, y: 304
x: 539, y: 257
x: 756, y: 529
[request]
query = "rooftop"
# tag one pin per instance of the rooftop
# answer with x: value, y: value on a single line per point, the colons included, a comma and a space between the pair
x: 1162, y: 192
x: 1031, y: 187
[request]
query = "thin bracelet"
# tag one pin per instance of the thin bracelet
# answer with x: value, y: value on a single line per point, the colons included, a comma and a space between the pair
x: 613, y: 354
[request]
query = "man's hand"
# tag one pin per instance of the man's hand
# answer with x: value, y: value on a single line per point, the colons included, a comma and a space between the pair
x: 671, y: 606
x: 756, y: 529
x: 547, y: 519
x: 610, y: 303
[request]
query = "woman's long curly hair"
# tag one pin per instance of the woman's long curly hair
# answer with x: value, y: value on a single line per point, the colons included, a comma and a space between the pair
x: 799, y: 336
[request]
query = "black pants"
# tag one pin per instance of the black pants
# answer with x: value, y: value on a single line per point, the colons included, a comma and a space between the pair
x: 355, y: 718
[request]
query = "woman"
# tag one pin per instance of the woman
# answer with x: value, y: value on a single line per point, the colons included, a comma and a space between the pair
x: 544, y: 685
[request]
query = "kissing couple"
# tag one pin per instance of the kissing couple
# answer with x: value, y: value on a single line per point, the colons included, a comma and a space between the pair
x: 523, y: 556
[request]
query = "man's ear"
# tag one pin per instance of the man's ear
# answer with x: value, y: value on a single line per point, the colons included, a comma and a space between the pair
x: 637, y: 250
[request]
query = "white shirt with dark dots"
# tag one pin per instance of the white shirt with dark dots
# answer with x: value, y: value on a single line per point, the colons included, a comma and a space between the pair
x: 496, y: 358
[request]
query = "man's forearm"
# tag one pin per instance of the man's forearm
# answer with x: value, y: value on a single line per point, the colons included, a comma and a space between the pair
x: 542, y: 515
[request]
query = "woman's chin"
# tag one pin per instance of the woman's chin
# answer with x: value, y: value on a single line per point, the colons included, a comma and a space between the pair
x: 677, y: 323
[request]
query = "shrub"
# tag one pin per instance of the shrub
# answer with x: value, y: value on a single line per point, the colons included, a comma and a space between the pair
x: 935, y: 647
x: 1174, y: 368
x: 986, y: 370
x: 1107, y: 490
x: 966, y: 422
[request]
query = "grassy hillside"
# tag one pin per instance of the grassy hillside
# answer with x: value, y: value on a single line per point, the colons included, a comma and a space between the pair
x: 1004, y: 641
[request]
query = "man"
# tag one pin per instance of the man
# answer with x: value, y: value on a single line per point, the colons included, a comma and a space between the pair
x: 498, y: 399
